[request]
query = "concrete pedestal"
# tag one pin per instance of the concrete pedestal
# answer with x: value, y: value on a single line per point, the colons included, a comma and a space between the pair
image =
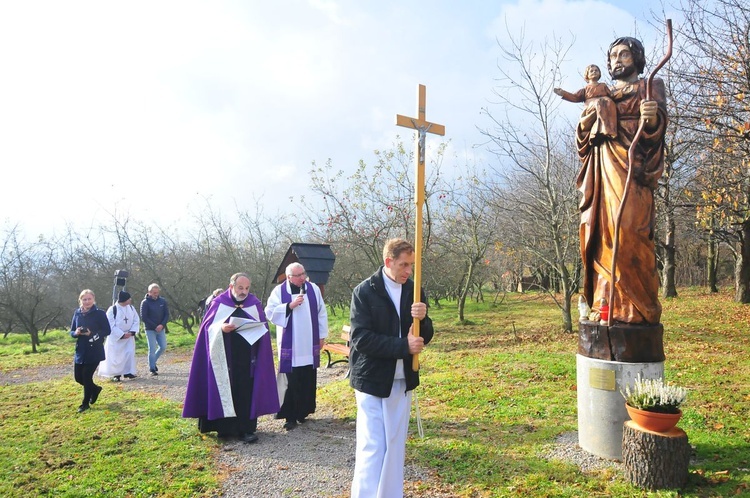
x: 601, y: 407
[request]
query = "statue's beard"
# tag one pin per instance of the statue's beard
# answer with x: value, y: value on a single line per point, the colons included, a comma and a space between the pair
x: 622, y: 72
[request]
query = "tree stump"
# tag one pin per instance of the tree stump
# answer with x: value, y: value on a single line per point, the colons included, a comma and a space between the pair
x: 655, y: 460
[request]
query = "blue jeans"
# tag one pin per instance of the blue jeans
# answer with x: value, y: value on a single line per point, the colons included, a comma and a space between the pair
x: 155, y: 339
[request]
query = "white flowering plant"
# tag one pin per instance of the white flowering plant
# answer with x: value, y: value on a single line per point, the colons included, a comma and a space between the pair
x: 653, y: 395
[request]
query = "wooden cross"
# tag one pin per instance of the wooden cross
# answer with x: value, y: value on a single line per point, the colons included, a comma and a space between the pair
x: 423, y: 127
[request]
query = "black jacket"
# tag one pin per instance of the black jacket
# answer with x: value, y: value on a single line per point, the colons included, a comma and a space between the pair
x: 375, y: 340
x: 90, y: 349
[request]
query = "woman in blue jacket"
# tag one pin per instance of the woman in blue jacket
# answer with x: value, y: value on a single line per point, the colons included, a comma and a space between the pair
x: 89, y: 326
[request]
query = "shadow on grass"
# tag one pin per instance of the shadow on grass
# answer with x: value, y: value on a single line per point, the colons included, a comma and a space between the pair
x: 719, y: 465
x: 132, y: 412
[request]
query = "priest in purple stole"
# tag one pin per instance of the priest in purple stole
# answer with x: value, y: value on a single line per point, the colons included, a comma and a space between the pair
x: 297, y: 309
x: 232, y: 380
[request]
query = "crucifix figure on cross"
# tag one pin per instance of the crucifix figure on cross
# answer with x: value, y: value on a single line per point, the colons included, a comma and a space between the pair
x: 423, y: 127
x: 420, y: 124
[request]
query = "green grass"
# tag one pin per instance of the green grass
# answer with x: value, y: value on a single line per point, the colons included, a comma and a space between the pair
x: 497, y: 389
x: 495, y: 394
x: 129, y: 444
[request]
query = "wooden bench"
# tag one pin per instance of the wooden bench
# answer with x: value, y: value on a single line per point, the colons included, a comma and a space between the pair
x: 342, y: 349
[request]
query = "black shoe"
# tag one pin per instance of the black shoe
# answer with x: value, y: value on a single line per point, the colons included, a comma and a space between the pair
x: 249, y: 438
x: 290, y: 424
x: 302, y: 420
x: 153, y: 373
x: 95, y: 396
x: 83, y: 408
x: 116, y: 378
x: 130, y: 376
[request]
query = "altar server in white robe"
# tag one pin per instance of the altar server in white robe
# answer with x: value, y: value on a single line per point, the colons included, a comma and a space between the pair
x: 297, y: 309
x: 119, y: 348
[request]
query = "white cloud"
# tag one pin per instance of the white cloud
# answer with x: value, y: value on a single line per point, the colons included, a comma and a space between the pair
x: 167, y: 103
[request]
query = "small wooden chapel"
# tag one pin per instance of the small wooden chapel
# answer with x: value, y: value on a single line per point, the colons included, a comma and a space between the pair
x: 318, y: 260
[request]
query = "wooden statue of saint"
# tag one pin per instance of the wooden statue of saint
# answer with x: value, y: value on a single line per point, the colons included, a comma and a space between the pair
x: 602, y: 180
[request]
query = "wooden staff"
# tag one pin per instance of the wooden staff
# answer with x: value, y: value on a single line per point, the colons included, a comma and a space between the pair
x: 631, y: 155
x: 423, y: 127
x: 419, y: 189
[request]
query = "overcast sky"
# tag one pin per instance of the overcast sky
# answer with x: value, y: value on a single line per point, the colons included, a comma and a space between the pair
x: 153, y: 107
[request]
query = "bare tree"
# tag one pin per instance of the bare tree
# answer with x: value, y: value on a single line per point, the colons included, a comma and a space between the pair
x: 535, y: 183
x: 265, y: 240
x: 86, y: 261
x: 468, y: 229
x: 714, y: 39
x: 153, y: 254
x: 361, y: 211
x: 27, y: 272
x: 683, y: 149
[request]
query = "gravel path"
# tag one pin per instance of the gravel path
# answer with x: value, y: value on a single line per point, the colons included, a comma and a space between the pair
x: 314, y: 460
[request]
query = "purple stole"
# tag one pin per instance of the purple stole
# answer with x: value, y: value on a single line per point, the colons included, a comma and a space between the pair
x: 285, y: 355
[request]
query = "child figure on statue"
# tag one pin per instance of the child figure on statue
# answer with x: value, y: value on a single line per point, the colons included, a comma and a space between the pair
x: 599, y: 104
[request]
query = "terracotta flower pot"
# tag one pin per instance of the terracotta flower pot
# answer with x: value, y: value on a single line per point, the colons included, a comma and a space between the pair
x: 653, y: 421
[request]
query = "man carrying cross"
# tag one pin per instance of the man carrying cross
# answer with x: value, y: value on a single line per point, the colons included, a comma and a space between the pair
x: 382, y: 348
x: 386, y: 314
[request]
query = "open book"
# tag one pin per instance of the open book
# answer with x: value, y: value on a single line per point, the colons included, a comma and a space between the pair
x: 250, y: 330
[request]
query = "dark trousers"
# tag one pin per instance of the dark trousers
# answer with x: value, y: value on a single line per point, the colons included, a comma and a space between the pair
x: 84, y: 375
x: 299, y: 400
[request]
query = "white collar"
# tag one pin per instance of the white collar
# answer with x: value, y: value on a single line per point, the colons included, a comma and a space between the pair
x: 390, y: 283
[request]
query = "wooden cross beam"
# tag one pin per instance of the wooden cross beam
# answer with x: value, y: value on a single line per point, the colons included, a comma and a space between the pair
x: 422, y: 126
x: 420, y: 122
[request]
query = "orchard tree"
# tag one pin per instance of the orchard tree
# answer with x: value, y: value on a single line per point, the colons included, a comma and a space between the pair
x: 535, y: 178
x: 156, y: 255
x: 27, y: 275
x: 468, y: 229
x: 674, y: 205
x: 714, y: 40
x: 361, y: 211
x: 265, y: 240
